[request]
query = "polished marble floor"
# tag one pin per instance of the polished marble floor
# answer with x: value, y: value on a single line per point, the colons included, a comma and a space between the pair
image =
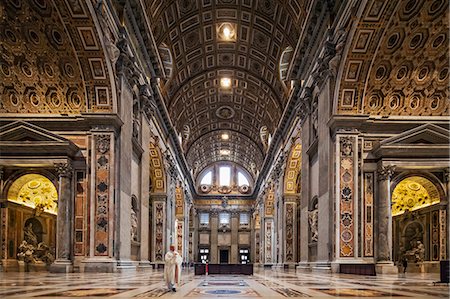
x: 263, y: 284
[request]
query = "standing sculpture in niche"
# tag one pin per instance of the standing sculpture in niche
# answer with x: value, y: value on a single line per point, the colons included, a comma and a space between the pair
x: 313, y: 219
x: 134, y: 225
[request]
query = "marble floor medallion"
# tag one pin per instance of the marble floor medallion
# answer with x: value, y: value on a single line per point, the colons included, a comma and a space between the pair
x: 231, y: 293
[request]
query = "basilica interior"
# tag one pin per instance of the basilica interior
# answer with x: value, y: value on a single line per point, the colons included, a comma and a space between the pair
x: 306, y: 136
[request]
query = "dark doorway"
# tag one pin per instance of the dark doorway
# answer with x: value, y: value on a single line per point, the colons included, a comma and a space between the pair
x: 224, y: 256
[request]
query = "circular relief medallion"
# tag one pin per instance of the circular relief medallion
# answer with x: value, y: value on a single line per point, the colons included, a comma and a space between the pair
x: 393, y: 40
x: 402, y: 72
x: 380, y: 73
x: 13, y: 99
x: 33, y: 36
x: 435, y: 103
x: 11, y: 35
x: 423, y: 73
x: 225, y: 112
x: 394, y: 102
x: 48, y: 70
x: 5, y: 69
x: 416, y: 41
x: 75, y: 100
x: 34, y: 99
x: 347, y: 235
x: 55, y: 100
x: 68, y: 70
x: 26, y: 69
x: 439, y: 40
x: 443, y: 74
x: 436, y: 6
x: 205, y: 188
x: 414, y: 102
x: 57, y: 37
x: 244, y: 188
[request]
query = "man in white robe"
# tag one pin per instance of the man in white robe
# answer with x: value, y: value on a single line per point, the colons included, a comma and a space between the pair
x: 172, y: 268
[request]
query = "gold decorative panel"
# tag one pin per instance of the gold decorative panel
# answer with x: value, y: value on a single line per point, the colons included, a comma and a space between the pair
x: 293, y: 169
x: 156, y: 169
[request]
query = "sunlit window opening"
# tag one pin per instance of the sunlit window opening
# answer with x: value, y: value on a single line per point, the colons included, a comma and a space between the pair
x: 244, y: 219
x: 207, y: 178
x: 225, y: 176
x: 242, y: 180
x: 204, y: 218
x: 224, y: 218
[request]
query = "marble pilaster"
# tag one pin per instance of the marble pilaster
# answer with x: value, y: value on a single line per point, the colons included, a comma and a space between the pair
x: 214, y: 222
x: 234, y: 238
x: 159, y: 227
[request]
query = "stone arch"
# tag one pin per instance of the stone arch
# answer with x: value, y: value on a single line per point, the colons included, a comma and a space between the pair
x: 293, y: 170
x: 378, y: 76
x: 157, y: 173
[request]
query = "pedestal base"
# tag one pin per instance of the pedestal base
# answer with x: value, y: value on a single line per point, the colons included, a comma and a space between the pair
x: 38, y: 267
x: 303, y: 267
x: 98, y: 265
x: 125, y: 265
x: 386, y: 268
x: 145, y: 264
x: 61, y: 266
x: 321, y: 267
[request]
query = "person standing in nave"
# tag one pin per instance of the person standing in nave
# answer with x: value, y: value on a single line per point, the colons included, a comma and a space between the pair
x: 172, y: 268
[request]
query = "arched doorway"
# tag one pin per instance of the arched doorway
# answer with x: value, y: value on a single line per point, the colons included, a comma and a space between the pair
x: 418, y: 220
x: 31, y: 210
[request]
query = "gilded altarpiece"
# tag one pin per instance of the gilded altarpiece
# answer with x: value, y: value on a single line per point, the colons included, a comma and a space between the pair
x: 347, y: 193
x: 104, y: 186
x: 368, y: 214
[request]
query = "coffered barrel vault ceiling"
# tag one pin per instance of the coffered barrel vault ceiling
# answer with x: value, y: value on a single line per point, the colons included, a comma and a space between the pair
x: 199, y: 57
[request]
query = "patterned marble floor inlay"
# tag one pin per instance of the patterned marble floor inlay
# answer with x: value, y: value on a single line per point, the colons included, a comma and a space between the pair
x: 265, y: 283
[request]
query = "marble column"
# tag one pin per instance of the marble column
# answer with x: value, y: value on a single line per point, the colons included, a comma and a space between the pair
x: 63, y: 262
x: 213, y: 238
x: 234, y: 238
x: 384, y: 222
